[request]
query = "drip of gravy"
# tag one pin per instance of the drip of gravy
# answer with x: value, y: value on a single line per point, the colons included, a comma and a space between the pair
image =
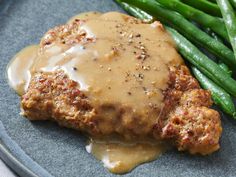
x: 18, y: 70
x: 121, y: 65
x: 121, y: 157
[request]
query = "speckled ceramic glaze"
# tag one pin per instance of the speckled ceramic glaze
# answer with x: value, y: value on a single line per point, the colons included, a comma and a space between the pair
x: 45, y: 149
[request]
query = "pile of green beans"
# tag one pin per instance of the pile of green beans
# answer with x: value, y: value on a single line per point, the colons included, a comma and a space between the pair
x: 212, y: 76
x: 216, y: 24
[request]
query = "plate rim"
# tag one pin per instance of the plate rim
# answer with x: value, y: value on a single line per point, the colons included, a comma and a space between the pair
x: 14, y: 164
x: 7, y: 148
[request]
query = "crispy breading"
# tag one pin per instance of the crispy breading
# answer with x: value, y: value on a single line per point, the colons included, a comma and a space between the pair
x: 185, y: 120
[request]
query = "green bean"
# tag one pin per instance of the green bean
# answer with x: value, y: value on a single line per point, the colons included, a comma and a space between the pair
x: 205, y: 20
x: 233, y: 2
x: 189, y: 30
x: 219, y: 95
x: 205, y: 6
x: 225, y: 68
x: 213, y: 34
x: 230, y: 21
x: 220, y: 63
x: 203, y: 63
x: 136, y: 12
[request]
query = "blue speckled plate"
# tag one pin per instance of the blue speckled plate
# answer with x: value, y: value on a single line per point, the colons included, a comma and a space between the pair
x: 45, y: 149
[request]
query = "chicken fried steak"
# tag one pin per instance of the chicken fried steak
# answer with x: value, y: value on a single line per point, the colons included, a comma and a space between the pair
x: 113, y: 74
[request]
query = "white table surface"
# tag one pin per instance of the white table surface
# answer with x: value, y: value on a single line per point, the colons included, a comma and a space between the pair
x: 5, y: 171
